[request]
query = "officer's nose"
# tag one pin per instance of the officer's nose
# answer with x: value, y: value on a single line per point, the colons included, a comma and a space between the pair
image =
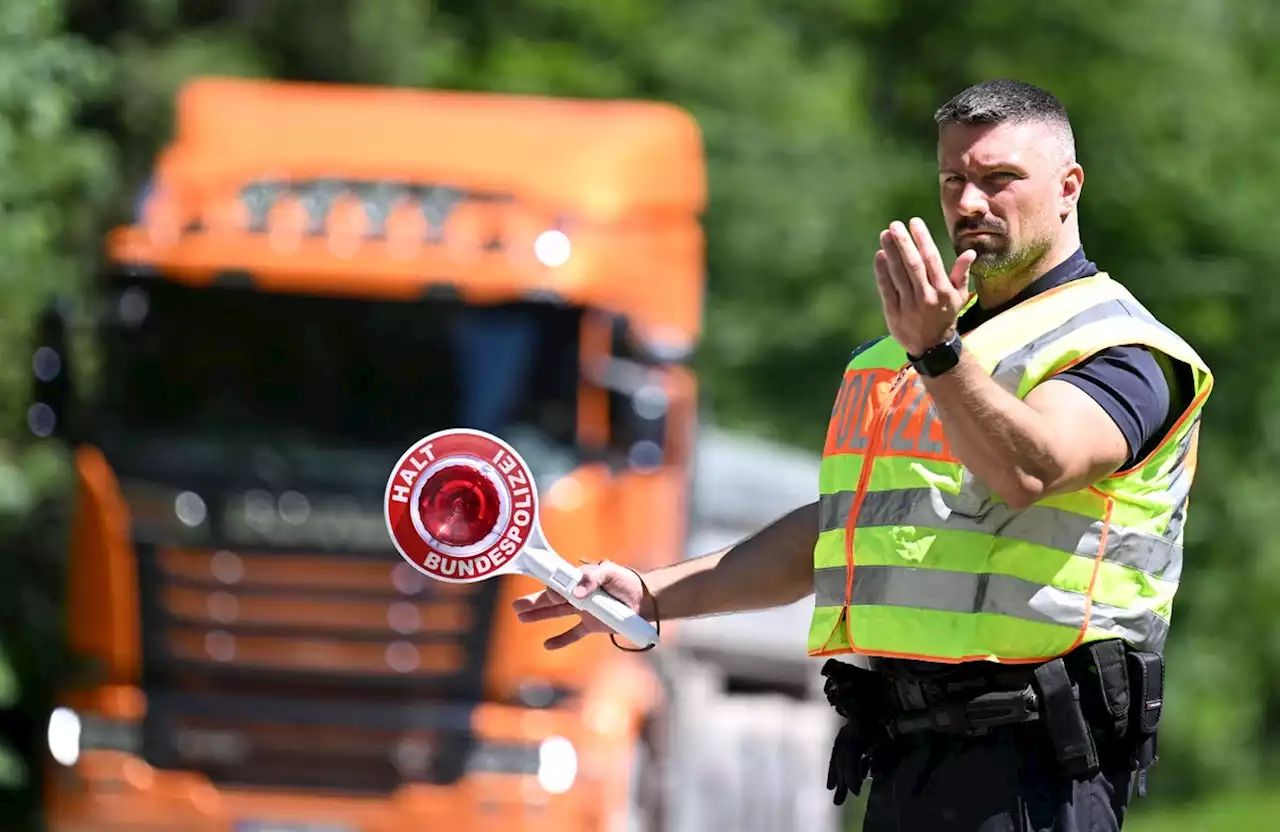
x: 972, y: 202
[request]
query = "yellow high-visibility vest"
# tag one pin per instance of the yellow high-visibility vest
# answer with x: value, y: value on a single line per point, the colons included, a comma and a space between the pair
x: 917, y: 559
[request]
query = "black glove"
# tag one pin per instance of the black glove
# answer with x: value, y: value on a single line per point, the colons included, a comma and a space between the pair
x: 850, y: 764
x: 862, y: 698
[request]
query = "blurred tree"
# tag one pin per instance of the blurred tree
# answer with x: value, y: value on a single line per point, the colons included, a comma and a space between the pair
x: 54, y: 181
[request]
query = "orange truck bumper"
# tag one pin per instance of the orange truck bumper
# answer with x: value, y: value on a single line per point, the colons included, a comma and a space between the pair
x: 110, y: 791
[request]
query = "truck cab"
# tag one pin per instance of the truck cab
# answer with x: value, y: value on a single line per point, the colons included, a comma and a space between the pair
x: 316, y: 277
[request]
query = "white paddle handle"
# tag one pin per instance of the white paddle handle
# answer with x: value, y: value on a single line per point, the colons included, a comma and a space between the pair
x: 560, y: 576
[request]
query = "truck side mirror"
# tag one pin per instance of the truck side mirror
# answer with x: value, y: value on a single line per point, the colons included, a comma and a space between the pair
x: 636, y: 376
x: 649, y: 352
x: 646, y: 421
x: 49, y: 413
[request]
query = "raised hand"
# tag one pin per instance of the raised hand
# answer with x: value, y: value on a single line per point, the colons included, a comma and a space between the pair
x: 921, y: 298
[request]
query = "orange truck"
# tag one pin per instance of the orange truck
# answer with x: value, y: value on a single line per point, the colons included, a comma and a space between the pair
x: 316, y: 277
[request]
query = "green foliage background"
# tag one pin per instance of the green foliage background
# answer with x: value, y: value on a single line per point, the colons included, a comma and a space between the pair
x: 816, y: 115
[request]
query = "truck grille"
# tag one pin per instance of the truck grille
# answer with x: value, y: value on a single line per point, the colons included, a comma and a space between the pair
x: 304, y: 670
x: 284, y: 742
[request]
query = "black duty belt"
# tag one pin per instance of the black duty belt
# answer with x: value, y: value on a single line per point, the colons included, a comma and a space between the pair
x: 975, y: 715
x: 911, y: 693
x: 1101, y: 692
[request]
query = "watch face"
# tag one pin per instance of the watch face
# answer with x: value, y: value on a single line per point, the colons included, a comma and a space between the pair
x: 939, y: 359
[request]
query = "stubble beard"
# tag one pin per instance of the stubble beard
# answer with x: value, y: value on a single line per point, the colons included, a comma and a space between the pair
x: 1000, y: 265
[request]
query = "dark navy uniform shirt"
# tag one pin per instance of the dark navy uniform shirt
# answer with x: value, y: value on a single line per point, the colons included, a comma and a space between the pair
x: 1126, y: 381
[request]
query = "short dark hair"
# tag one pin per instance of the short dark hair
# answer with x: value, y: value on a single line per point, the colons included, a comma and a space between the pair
x: 1004, y: 100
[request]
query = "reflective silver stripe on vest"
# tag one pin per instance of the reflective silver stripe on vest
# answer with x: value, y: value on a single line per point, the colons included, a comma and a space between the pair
x: 1064, y: 531
x: 1009, y: 370
x: 964, y: 592
x: 1180, y: 488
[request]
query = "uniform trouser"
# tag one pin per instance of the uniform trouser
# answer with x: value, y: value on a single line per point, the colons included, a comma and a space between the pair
x: 1006, y: 781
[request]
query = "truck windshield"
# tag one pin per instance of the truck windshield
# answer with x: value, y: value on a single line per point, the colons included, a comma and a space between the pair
x: 316, y: 378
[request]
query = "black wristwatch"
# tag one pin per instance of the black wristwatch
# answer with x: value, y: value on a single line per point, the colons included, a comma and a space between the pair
x: 939, y: 359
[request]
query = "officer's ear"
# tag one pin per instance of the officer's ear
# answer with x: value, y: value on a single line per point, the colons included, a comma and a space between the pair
x: 1071, y: 178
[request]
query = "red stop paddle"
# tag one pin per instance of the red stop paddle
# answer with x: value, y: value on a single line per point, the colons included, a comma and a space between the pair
x: 461, y: 506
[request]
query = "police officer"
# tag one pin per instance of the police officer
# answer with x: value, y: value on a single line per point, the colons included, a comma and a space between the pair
x: 997, y: 539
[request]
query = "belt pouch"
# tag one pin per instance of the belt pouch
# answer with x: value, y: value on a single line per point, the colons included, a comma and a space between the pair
x: 1108, y: 681
x: 1146, y: 682
x: 1064, y: 720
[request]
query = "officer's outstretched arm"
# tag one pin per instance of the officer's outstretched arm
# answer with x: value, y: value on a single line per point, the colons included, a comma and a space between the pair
x: 771, y: 568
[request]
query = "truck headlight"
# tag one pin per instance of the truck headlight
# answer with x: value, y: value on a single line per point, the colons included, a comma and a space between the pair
x: 552, y: 248
x: 64, y: 736
x: 557, y: 765
x: 70, y: 733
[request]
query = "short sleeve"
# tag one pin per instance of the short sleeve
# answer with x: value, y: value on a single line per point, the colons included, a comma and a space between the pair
x: 1129, y: 385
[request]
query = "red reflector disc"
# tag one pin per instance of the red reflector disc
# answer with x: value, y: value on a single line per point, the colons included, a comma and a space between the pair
x: 459, y: 505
